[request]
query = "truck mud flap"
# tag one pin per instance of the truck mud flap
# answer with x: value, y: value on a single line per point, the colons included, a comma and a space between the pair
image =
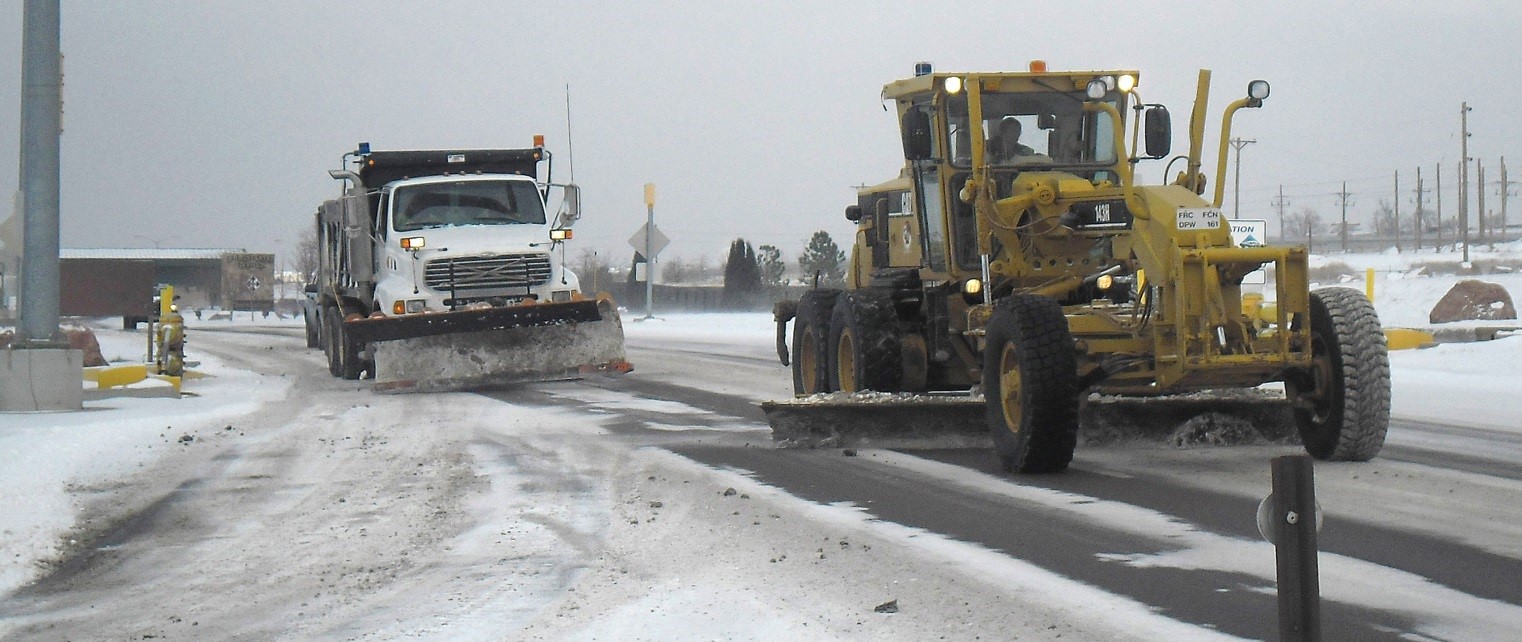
x: 930, y: 422
x: 491, y: 348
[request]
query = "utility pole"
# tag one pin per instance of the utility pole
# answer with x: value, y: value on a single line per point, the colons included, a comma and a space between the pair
x: 1439, y: 192
x: 1505, y: 190
x: 1464, y: 179
x: 1237, y: 144
x: 1479, y: 179
x: 1421, y: 196
x: 1397, y: 211
x: 1342, y: 198
x: 1280, y: 203
x: 40, y: 372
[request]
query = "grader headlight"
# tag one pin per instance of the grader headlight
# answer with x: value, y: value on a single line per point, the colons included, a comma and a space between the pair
x: 972, y: 287
x: 1125, y: 83
x: 1096, y: 89
x: 1257, y: 89
x: 952, y: 85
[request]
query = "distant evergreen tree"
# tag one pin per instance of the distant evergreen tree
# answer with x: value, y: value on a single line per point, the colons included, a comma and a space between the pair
x: 742, y: 277
x: 824, y: 258
x: 772, y: 267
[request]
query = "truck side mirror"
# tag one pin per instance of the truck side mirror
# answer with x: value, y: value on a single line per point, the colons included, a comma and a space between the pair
x: 916, y: 131
x: 853, y: 213
x: 570, y: 207
x: 1159, y: 131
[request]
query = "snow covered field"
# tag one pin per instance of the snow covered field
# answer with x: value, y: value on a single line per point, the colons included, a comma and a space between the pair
x: 51, y: 463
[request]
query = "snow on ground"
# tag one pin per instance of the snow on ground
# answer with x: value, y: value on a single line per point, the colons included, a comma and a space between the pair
x: 46, y: 458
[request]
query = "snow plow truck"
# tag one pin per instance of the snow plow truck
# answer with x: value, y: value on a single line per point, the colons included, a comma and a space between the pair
x: 443, y: 270
x: 1015, y: 266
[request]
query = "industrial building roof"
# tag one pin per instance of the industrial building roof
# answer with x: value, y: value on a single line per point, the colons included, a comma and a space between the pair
x: 146, y: 253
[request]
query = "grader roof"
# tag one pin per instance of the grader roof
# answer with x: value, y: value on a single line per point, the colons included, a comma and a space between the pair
x: 1002, y: 81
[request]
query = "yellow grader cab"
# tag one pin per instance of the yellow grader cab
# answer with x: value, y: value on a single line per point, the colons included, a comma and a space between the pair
x: 1015, y: 266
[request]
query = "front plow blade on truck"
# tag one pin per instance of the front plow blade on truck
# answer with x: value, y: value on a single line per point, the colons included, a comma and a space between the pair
x: 470, y: 349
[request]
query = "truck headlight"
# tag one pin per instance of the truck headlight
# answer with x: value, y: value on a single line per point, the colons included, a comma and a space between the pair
x: 560, y: 296
x: 560, y: 235
x: 413, y: 243
x: 415, y: 306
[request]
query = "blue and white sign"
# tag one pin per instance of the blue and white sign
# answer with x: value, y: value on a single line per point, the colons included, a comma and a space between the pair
x: 1250, y: 232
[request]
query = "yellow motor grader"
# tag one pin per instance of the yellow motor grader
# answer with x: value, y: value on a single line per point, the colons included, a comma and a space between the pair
x: 1015, y: 258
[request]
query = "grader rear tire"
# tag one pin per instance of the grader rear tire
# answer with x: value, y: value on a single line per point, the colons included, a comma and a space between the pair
x: 1030, y: 382
x: 811, y: 331
x: 865, y: 350
x: 1342, y: 405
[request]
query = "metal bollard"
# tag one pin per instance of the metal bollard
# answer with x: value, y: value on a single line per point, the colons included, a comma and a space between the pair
x: 1291, y: 524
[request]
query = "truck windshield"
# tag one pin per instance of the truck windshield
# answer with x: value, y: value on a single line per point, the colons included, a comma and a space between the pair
x: 1026, y: 129
x: 467, y: 203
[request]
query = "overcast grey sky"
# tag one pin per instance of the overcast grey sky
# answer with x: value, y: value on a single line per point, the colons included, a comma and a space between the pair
x: 213, y: 122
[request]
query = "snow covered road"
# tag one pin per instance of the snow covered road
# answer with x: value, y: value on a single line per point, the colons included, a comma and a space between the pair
x: 652, y: 507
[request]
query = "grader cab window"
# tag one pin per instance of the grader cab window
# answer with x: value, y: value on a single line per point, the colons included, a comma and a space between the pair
x: 1021, y: 130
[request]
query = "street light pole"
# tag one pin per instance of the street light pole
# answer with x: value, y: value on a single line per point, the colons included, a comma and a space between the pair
x: 1237, y: 144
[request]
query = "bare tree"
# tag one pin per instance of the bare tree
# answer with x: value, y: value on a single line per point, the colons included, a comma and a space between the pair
x: 593, y: 270
x: 306, y: 258
x: 1303, y: 224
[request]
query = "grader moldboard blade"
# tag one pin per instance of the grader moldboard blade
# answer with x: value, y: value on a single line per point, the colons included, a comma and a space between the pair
x: 929, y: 422
x: 471, y: 349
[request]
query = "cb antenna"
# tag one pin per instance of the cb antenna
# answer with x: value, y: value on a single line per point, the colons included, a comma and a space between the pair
x: 570, y: 155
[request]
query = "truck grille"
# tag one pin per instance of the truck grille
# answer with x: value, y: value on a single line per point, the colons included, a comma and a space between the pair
x: 488, y: 272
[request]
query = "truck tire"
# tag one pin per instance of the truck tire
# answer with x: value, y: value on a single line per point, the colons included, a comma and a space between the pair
x: 811, y: 331
x: 351, y: 366
x: 311, y: 322
x: 329, y: 344
x: 865, y: 350
x: 1342, y: 405
x: 1030, y: 382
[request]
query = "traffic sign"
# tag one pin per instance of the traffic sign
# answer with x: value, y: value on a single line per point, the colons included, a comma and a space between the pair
x: 1249, y: 232
x: 657, y: 240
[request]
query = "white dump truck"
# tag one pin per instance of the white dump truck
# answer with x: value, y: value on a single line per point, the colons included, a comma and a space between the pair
x: 444, y: 270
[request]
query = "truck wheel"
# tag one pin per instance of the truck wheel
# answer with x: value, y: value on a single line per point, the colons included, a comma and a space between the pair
x: 811, y: 330
x: 1030, y: 382
x: 351, y: 366
x: 1342, y: 405
x: 866, y: 352
x: 330, y: 330
x: 313, y: 340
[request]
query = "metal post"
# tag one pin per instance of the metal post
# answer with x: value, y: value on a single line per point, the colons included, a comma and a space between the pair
x: 1464, y: 178
x: 1237, y: 144
x: 1294, y: 526
x: 41, y: 122
x: 649, y: 258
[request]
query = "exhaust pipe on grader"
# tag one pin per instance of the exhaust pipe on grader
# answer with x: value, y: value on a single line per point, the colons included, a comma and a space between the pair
x: 1015, y: 267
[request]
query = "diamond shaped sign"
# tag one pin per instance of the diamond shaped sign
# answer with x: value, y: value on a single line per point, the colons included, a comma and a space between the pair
x: 657, y: 240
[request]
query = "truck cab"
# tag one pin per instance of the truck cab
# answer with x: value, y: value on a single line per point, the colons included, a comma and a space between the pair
x: 457, y: 241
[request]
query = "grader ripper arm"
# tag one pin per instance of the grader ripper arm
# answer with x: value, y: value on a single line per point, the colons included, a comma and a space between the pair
x: 1019, y: 273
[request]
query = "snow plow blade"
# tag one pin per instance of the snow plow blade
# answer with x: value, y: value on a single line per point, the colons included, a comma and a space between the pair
x: 471, y: 349
x: 929, y: 422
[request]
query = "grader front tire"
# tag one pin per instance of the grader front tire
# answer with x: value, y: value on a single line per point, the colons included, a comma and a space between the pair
x: 1030, y: 382
x: 811, y: 332
x: 864, y: 339
x: 1342, y: 405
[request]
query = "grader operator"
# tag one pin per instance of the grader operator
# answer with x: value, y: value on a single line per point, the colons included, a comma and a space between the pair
x: 1025, y: 273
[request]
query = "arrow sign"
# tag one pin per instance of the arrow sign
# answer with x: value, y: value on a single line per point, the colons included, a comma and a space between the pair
x: 658, y: 241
